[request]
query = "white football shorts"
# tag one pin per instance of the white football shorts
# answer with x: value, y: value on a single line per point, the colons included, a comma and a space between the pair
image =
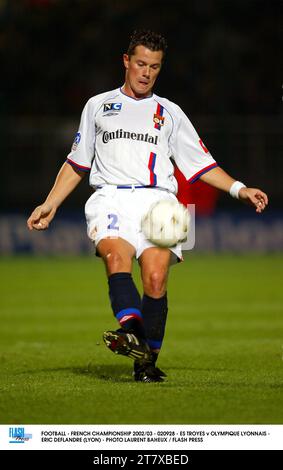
x: 113, y: 212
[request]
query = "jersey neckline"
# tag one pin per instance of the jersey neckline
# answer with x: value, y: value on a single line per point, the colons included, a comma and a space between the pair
x: 135, y: 100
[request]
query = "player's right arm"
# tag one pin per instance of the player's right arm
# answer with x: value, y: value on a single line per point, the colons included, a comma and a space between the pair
x: 66, y: 181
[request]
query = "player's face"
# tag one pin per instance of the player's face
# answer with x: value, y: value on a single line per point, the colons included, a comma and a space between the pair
x: 142, y: 69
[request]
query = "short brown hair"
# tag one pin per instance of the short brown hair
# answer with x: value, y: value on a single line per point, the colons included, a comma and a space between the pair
x: 150, y: 39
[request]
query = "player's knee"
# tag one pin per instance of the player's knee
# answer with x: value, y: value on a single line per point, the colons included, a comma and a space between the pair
x: 155, y: 284
x: 114, y: 262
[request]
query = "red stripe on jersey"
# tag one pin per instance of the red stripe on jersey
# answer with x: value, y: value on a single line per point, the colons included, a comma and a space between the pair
x: 151, y: 165
x: 203, y: 146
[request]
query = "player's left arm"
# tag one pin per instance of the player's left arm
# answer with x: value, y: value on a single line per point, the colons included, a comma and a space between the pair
x: 219, y: 179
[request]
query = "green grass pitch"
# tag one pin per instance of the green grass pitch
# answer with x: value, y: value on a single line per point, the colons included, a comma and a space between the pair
x: 222, y: 351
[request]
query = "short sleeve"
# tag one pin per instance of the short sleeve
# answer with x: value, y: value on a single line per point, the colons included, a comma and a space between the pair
x: 82, y: 151
x: 188, y: 150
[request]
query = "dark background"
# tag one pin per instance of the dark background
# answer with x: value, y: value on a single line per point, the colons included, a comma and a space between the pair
x: 224, y: 68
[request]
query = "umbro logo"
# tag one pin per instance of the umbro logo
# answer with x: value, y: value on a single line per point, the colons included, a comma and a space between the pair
x: 126, y: 318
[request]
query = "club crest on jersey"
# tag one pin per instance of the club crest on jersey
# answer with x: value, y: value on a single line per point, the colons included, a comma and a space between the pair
x: 112, y: 107
x: 76, y: 141
x: 158, y: 117
x: 159, y: 120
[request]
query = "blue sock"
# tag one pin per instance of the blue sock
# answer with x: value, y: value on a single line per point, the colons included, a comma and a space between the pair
x: 126, y: 302
x: 154, y: 312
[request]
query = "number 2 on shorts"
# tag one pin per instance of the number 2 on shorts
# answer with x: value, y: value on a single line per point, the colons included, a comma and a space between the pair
x: 113, y: 224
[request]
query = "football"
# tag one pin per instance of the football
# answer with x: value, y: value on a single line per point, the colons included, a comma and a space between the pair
x: 166, y: 223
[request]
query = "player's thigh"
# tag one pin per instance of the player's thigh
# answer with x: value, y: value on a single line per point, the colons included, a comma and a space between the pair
x: 154, y: 263
x: 117, y: 254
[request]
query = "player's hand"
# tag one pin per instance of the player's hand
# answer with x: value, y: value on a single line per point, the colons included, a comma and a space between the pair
x: 254, y: 197
x: 41, y: 217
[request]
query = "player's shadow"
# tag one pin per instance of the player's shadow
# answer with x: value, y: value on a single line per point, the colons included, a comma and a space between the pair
x: 111, y: 373
x: 204, y: 369
x: 106, y: 372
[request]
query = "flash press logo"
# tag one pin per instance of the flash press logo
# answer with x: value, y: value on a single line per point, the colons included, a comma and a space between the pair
x: 18, y: 436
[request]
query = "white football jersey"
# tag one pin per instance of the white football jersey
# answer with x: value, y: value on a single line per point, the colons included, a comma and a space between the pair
x: 125, y: 141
